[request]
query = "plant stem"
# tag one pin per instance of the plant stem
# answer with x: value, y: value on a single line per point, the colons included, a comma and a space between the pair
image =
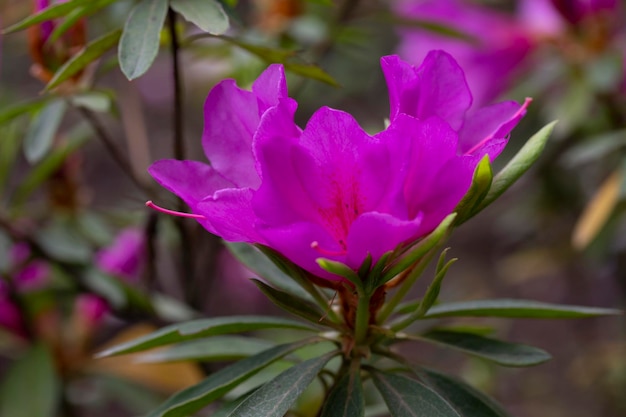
x: 362, y: 320
x: 113, y: 150
x: 179, y: 140
x: 406, y: 286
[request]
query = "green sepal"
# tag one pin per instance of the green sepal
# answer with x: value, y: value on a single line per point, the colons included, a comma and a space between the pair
x: 417, y: 251
x: 517, y: 166
x: 481, y: 182
x: 340, y: 269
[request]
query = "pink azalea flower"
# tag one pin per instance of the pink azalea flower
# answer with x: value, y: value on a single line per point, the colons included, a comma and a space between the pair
x: 126, y: 255
x: 331, y: 190
x: 32, y: 275
x: 490, y: 57
x: 91, y: 310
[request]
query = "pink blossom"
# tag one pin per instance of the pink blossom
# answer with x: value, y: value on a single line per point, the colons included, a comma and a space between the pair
x: 490, y: 54
x: 332, y: 190
x: 126, y: 255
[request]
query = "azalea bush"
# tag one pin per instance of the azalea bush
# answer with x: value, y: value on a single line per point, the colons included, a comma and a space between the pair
x: 128, y: 297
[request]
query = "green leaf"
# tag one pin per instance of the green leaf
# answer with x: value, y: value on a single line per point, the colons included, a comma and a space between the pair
x: 258, y: 262
x: 208, y: 15
x: 299, y: 307
x: 517, y: 166
x: 275, y: 398
x: 29, y: 107
x: 194, y: 398
x: 406, y: 397
x: 340, y: 269
x: 49, y: 13
x: 468, y: 401
x: 42, y: 130
x: 139, y: 44
x: 197, y: 329
x: 420, y: 249
x: 346, y: 398
x: 75, y: 15
x: 92, y: 51
x: 496, y: 351
x: 31, y: 386
x: 96, y: 101
x: 287, y: 58
x: 219, y: 348
x: 432, y: 292
x: 51, y: 163
x: 481, y: 182
x: 9, y: 150
x: 516, y: 309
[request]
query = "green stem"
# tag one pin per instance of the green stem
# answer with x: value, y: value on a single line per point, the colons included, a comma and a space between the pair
x: 362, y: 320
x: 406, y: 286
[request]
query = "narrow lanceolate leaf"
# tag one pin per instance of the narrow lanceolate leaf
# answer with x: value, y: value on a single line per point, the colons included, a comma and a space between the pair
x: 92, y: 51
x: 258, y: 262
x: 198, y: 329
x: 433, y: 289
x: 496, y: 351
x: 516, y: 309
x: 346, y: 398
x: 208, y: 15
x: 218, y: 348
x: 276, y: 397
x: 139, y: 44
x: 420, y: 249
x: 49, y: 13
x: 297, y: 306
x: 42, y: 130
x: 29, y: 107
x: 74, y: 16
x: 406, y: 397
x: 194, y: 398
x: 481, y: 182
x: 30, y: 387
x: 520, y: 163
x: 466, y: 400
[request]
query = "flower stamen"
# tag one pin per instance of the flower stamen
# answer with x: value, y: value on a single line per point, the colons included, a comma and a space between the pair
x: 315, y: 245
x: 174, y: 213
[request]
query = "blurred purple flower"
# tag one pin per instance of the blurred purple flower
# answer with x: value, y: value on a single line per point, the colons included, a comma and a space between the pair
x: 332, y: 190
x: 574, y: 11
x: 90, y: 310
x: 125, y: 257
x: 491, y: 54
x: 30, y: 274
x: 10, y: 317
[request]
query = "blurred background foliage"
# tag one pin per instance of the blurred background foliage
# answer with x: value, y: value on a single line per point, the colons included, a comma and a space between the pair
x: 85, y: 265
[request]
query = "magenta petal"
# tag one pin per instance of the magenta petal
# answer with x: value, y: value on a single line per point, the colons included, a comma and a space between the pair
x: 231, y: 116
x: 295, y: 242
x: 489, y: 124
x: 436, y: 88
x: 377, y: 233
x: 190, y: 180
x: 230, y: 214
x: 270, y: 87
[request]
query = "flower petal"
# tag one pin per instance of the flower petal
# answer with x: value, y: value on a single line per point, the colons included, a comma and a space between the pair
x: 490, y: 126
x: 230, y: 214
x: 231, y: 116
x: 270, y: 87
x: 436, y: 88
x: 377, y: 233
